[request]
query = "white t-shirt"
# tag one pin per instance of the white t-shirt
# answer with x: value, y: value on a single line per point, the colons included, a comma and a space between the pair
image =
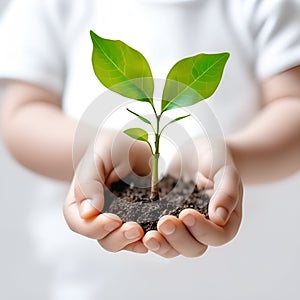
x: 47, y: 43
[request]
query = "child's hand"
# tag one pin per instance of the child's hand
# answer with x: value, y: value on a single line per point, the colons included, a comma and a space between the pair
x: 191, y: 233
x: 111, y: 157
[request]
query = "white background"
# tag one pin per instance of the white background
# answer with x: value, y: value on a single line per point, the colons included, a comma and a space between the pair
x: 261, y: 263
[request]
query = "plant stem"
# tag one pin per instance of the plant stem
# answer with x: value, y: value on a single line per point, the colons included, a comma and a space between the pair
x: 155, y: 157
x: 154, y: 180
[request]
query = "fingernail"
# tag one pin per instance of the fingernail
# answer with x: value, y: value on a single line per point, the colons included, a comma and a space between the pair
x: 111, y: 226
x: 152, y: 244
x: 167, y: 227
x: 132, y: 233
x: 86, y: 210
x: 140, y: 249
x: 222, y: 213
x: 189, y: 220
x: 114, y: 221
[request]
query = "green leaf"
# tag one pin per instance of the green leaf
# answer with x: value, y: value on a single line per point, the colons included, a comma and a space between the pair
x: 122, y: 69
x: 137, y: 134
x: 178, y: 119
x: 173, y: 121
x: 140, y: 117
x: 193, y: 79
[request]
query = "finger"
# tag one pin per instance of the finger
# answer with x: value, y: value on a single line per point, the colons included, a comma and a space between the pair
x: 96, y: 228
x: 203, y: 182
x: 89, y: 203
x: 119, y: 239
x: 137, y: 247
x: 177, y: 235
x: 155, y: 242
x: 117, y: 173
x: 128, y: 155
x: 206, y: 231
x: 226, y: 195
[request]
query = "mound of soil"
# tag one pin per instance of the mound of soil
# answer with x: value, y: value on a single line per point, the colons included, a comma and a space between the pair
x: 130, y: 200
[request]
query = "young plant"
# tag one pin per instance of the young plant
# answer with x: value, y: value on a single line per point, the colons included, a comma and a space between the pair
x: 125, y: 71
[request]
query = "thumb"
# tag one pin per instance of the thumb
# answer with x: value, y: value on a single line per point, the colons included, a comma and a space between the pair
x: 90, y: 198
x: 89, y: 186
x: 227, y: 194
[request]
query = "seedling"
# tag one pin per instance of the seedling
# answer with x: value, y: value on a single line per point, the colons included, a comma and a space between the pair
x: 125, y: 71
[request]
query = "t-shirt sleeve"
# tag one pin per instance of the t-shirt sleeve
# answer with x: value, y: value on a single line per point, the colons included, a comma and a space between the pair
x: 275, y: 28
x: 31, y: 48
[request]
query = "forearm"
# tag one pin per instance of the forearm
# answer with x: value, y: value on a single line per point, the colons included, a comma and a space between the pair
x: 37, y: 133
x: 40, y: 137
x: 269, y: 147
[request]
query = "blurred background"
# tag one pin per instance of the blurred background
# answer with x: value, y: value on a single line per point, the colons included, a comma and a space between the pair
x: 261, y: 263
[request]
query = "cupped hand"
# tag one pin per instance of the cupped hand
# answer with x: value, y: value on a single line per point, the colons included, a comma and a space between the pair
x: 191, y: 233
x: 112, y: 156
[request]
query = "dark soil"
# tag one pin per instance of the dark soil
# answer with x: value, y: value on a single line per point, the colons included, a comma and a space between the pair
x: 131, y: 202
